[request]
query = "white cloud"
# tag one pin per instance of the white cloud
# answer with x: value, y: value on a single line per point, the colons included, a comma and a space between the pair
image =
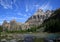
x: 16, y: 5
x: 46, y: 6
x: 10, y: 18
x: 21, y: 14
x: 32, y: 7
x: 1, y: 23
x: 8, y: 5
x: 27, y: 8
x: 29, y: 14
x: 5, y: 4
x: 36, y: 5
x: 14, y: 18
x: 14, y: 1
x: 25, y: 15
x: 18, y: 13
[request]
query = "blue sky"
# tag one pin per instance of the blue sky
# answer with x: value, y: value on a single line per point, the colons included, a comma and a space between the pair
x: 21, y: 10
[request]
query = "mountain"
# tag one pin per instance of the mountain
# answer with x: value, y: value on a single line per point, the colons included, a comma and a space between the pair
x: 38, y: 17
x: 52, y: 24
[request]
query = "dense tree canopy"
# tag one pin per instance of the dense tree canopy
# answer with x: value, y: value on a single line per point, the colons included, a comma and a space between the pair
x: 53, y: 23
x: 1, y: 29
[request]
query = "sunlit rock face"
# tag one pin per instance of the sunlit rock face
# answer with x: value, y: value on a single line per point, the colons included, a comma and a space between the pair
x: 5, y: 25
x: 12, y: 25
x: 15, y: 25
x: 48, y: 13
x: 38, y: 17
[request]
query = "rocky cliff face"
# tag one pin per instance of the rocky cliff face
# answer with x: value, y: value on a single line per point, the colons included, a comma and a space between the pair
x: 12, y: 25
x: 38, y: 17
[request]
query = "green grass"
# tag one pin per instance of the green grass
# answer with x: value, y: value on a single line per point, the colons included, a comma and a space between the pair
x: 16, y: 31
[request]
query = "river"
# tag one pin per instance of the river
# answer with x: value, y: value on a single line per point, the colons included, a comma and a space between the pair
x: 27, y: 37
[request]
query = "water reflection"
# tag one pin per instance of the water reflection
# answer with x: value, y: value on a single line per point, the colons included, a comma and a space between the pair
x: 31, y: 38
x: 27, y: 38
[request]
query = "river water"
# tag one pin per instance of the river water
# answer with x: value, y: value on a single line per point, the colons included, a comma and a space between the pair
x: 31, y: 37
x: 27, y: 38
